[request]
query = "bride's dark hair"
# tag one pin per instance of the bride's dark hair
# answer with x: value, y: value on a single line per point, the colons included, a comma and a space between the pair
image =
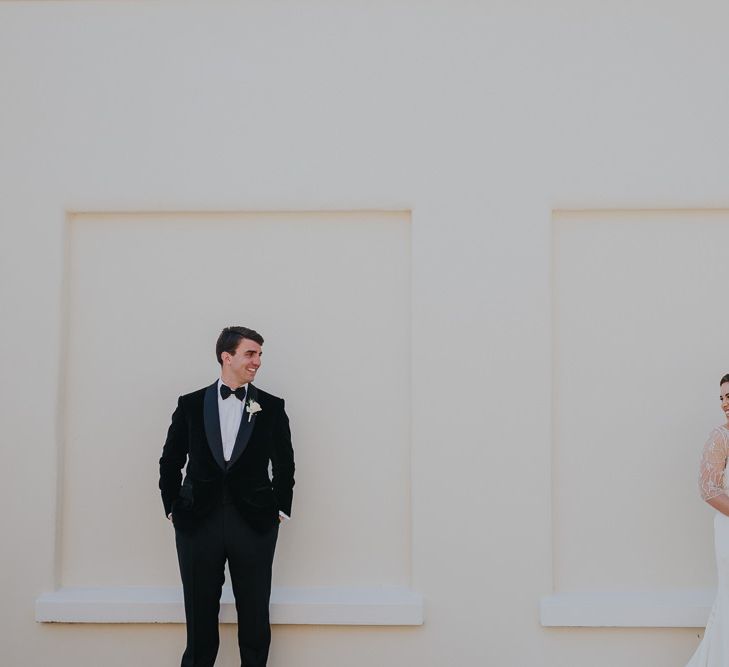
x: 724, y: 379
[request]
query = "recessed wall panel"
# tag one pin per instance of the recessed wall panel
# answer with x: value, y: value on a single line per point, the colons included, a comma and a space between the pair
x: 640, y: 342
x: 148, y: 295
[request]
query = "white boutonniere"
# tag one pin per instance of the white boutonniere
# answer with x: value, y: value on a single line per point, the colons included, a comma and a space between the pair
x: 252, y: 408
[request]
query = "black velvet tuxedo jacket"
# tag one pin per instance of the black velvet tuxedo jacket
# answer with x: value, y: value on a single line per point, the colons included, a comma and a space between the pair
x: 194, y: 438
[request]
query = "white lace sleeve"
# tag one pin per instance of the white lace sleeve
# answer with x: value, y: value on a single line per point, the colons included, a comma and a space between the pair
x: 713, y: 464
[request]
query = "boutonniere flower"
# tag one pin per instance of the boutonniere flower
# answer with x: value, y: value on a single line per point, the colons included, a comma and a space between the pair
x: 252, y: 408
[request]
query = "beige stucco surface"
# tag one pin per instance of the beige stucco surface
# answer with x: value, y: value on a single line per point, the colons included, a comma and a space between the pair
x: 461, y: 132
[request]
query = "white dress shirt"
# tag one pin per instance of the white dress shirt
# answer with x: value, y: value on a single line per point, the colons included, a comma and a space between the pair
x: 230, y: 411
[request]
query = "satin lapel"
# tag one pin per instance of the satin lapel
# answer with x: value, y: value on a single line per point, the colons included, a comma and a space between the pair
x: 212, y: 423
x: 246, y: 427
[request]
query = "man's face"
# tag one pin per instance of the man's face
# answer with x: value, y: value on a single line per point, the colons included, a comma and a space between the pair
x: 242, y: 365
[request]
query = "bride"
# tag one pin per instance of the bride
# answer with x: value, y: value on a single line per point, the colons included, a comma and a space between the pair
x: 713, y: 651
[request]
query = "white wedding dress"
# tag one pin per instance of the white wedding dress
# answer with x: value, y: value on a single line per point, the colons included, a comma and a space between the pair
x: 713, y: 651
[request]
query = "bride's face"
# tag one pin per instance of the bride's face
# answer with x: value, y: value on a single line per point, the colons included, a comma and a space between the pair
x: 725, y: 399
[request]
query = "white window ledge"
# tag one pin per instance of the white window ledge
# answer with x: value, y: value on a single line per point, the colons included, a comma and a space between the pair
x: 657, y: 609
x: 299, y: 606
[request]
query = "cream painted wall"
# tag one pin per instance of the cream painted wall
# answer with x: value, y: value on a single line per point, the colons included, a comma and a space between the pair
x: 479, y: 118
x: 145, y: 287
x: 631, y: 290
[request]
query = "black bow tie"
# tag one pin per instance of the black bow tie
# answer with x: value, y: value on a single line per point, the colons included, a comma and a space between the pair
x: 226, y: 391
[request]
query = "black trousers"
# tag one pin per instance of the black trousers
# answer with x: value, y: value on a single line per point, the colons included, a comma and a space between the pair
x: 202, y: 550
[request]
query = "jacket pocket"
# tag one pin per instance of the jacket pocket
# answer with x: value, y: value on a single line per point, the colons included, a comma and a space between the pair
x: 186, y: 495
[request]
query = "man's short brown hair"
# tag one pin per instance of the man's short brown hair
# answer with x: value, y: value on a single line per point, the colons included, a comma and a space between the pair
x: 230, y: 338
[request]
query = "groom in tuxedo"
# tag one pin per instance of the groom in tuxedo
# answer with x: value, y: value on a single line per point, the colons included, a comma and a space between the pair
x: 227, y: 507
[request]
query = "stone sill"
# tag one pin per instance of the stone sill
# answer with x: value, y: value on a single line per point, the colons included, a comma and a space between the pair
x: 685, y: 608
x: 298, y: 606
